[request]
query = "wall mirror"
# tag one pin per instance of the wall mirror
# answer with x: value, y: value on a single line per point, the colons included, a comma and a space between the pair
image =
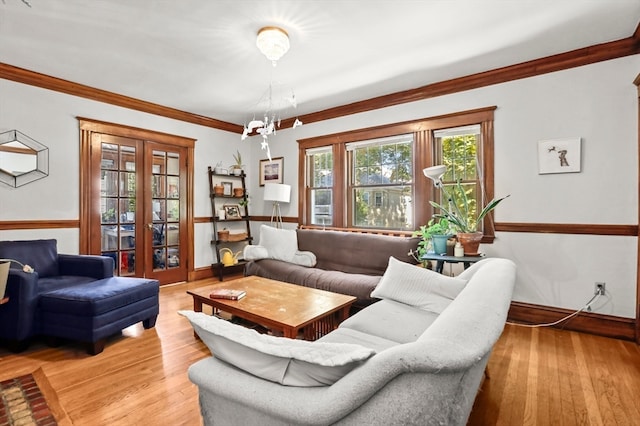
x: 22, y: 159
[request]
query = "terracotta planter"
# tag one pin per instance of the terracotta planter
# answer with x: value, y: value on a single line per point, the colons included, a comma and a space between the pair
x: 238, y: 192
x: 470, y: 242
x: 218, y: 190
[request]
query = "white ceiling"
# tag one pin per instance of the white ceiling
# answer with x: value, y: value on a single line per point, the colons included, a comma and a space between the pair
x: 200, y: 56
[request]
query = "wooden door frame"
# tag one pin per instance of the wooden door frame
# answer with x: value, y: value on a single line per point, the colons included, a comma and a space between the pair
x: 89, y: 190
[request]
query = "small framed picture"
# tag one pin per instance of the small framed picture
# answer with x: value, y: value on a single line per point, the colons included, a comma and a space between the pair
x: 559, y: 156
x: 232, y: 211
x: 227, y: 188
x: 271, y: 171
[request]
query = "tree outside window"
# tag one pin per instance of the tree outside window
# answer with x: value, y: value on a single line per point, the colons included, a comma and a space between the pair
x: 320, y: 166
x: 457, y: 149
x: 382, y: 183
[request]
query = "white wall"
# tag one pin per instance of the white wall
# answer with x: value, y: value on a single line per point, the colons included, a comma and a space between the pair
x: 51, y: 119
x: 597, y: 103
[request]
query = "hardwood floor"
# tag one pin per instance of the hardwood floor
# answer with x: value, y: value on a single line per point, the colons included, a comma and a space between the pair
x: 537, y: 376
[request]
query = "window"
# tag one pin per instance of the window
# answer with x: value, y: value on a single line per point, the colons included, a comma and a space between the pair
x: 320, y: 167
x: 457, y: 148
x: 372, y: 178
x: 381, y: 183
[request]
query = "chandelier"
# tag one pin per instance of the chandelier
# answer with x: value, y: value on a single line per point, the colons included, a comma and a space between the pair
x: 273, y: 42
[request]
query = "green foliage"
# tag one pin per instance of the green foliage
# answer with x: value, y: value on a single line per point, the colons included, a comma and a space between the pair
x: 441, y: 226
x: 237, y: 157
x: 244, y: 201
x: 461, y: 215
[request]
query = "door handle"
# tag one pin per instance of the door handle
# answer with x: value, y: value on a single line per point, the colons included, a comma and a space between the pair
x: 150, y: 226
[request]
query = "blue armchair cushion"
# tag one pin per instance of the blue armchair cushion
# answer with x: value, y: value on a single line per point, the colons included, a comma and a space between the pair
x: 42, y: 255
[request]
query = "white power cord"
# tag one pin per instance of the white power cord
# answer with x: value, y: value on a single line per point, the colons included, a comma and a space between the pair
x: 585, y: 307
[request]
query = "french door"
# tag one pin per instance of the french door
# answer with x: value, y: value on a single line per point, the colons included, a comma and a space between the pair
x: 139, y: 215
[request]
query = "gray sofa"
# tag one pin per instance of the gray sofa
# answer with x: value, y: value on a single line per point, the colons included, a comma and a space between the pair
x: 427, y: 369
x: 347, y: 262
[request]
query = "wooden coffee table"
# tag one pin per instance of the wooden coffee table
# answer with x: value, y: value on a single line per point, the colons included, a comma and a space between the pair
x: 280, y: 306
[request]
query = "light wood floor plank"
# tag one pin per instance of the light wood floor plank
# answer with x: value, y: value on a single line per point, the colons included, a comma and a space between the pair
x: 536, y: 376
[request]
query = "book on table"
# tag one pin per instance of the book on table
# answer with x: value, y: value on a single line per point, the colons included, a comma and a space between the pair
x: 227, y: 293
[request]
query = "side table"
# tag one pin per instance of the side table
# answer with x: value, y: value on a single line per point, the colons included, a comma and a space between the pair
x: 442, y: 258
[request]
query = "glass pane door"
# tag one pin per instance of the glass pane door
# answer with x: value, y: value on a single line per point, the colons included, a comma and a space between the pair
x: 118, y: 190
x: 167, y: 218
x: 165, y: 186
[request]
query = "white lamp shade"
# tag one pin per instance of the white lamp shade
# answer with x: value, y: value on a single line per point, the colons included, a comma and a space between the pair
x: 279, y: 192
x: 435, y: 173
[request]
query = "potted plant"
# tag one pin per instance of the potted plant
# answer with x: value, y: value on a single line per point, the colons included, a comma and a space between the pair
x: 237, y: 167
x: 434, y: 235
x: 461, y: 217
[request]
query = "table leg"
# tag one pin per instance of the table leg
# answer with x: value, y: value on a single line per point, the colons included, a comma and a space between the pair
x: 197, y: 307
x: 290, y: 332
x: 439, y: 266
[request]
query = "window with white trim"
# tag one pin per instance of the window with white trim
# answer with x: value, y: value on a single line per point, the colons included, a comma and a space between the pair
x: 320, y: 178
x: 458, y: 148
x: 381, y: 183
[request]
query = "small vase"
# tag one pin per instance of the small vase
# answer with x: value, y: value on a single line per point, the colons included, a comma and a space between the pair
x: 440, y: 243
x: 470, y: 242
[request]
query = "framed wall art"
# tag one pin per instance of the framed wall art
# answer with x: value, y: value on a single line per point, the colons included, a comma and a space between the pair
x: 232, y: 211
x: 227, y: 188
x: 271, y: 171
x: 559, y: 156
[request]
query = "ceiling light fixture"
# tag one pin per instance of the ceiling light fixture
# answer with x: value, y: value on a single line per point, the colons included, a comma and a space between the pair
x: 273, y: 42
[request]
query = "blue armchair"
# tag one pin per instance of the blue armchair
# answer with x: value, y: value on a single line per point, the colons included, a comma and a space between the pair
x: 19, y: 316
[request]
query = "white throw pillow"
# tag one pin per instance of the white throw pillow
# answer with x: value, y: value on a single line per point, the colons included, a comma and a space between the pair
x: 251, y: 252
x: 419, y: 287
x: 286, y: 361
x: 281, y: 244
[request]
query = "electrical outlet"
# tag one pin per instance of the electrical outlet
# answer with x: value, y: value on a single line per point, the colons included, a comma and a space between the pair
x: 600, y: 288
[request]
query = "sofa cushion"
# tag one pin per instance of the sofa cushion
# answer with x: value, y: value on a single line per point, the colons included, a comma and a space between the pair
x: 258, y: 252
x: 391, y: 320
x: 349, y: 335
x: 41, y: 255
x: 357, y: 285
x: 353, y: 252
x: 419, y: 287
x: 281, y: 244
x: 286, y: 361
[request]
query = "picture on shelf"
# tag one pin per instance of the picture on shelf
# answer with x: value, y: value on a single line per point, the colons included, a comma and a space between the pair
x: 227, y: 188
x: 232, y: 211
x: 271, y: 171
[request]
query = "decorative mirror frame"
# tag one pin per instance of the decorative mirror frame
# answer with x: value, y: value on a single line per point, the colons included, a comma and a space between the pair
x: 42, y: 159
